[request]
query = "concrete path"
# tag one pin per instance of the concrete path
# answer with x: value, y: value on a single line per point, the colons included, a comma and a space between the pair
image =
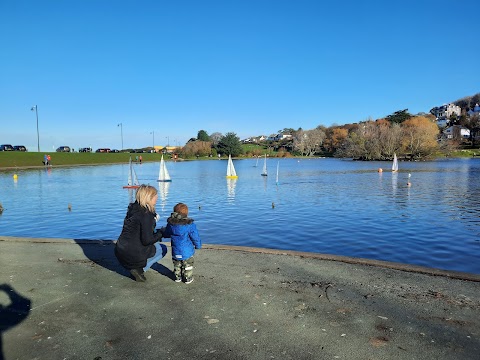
x: 67, y: 299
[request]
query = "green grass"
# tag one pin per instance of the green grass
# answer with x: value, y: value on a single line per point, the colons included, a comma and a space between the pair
x: 465, y: 153
x: 30, y: 159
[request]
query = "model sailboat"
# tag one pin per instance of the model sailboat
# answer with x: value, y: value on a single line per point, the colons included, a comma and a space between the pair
x: 163, y: 175
x: 132, y: 177
x: 231, y: 173
x: 395, y: 163
x: 264, y: 172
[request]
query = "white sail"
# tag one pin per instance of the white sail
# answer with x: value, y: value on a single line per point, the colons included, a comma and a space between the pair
x: 231, y: 173
x: 132, y: 176
x: 163, y: 174
x: 264, y: 172
x: 135, y: 179
x: 395, y: 163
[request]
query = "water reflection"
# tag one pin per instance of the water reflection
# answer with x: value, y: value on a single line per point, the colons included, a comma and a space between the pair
x: 342, y: 207
x: 231, y: 184
x: 163, y: 188
x: 394, y: 183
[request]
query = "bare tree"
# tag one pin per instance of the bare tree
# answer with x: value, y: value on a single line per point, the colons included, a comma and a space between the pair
x: 419, y: 136
x: 215, y: 138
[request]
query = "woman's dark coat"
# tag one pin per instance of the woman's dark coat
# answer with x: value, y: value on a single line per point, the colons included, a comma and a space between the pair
x: 135, y: 244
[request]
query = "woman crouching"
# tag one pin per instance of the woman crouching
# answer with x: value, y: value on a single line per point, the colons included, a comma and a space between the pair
x: 138, y: 247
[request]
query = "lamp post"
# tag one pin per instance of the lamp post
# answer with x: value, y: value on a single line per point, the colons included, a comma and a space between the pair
x: 153, y: 143
x: 168, y: 140
x: 121, y: 132
x: 35, y: 107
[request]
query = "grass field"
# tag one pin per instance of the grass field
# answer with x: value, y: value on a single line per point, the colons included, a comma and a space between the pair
x: 12, y: 159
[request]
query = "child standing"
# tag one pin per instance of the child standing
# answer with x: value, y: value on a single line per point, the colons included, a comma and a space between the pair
x: 185, y: 239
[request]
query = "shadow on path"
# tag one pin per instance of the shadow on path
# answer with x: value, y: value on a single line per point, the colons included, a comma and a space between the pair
x: 12, y: 314
x: 101, y: 252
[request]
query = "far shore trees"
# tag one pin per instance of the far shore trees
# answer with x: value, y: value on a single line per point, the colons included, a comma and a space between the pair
x: 409, y: 136
x: 230, y: 145
x: 203, y: 136
x: 308, y: 142
x: 379, y: 140
x: 419, y: 137
x: 196, y: 148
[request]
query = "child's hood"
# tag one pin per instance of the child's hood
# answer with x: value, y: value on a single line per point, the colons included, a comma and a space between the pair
x: 176, y: 219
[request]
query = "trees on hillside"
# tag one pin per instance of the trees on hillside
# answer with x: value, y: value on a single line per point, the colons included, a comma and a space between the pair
x: 215, y: 138
x: 196, y: 148
x: 203, y: 136
x: 308, y: 142
x: 419, y: 137
x: 399, y: 116
x: 379, y: 140
x: 472, y: 123
x: 230, y: 145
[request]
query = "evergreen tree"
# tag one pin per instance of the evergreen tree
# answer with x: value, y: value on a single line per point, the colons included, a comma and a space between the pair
x: 230, y: 145
x: 203, y: 136
x: 399, y: 116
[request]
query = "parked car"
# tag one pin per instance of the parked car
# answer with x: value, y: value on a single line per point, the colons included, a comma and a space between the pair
x: 115, y: 151
x: 103, y: 150
x: 87, y: 149
x: 63, y: 149
x: 6, y: 147
x: 19, y: 148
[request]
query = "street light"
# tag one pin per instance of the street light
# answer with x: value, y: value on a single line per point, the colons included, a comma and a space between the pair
x: 168, y: 140
x: 153, y: 143
x: 121, y: 132
x: 35, y: 107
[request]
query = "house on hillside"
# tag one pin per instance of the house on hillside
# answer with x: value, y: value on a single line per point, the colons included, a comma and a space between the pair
x: 475, y: 110
x: 443, y: 123
x: 256, y: 139
x: 278, y: 137
x: 445, y: 112
x: 456, y: 131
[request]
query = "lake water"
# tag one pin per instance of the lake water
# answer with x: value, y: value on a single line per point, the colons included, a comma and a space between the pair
x: 333, y: 206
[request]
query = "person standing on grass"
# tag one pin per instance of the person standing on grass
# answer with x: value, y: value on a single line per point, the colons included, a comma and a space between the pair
x: 138, y: 246
x: 185, y: 239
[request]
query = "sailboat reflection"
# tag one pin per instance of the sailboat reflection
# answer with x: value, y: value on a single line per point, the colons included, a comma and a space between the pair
x: 394, y: 183
x: 231, y: 184
x: 163, y: 188
x: 131, y: 195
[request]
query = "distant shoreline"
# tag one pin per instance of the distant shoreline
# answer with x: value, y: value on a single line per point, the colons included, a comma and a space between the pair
x: 27, y: 160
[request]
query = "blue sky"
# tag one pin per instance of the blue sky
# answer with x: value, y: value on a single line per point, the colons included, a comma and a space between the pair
x: 167, y: 69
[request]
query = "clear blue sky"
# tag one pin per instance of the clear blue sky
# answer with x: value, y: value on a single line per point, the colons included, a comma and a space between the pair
x: 250, y: 67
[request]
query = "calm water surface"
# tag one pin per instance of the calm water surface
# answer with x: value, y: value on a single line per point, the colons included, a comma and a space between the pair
x: 331, y: 206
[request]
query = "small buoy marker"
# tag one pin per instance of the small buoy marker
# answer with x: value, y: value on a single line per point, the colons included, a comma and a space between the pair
x: 15, y: 177
x: 380, y: 170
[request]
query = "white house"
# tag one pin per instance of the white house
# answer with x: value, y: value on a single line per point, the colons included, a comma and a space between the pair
x: 278, y: 137
x: 446, y: 111
x: 456, y: 130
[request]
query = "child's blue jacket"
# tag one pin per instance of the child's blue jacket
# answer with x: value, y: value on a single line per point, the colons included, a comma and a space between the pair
x: 184, y: 236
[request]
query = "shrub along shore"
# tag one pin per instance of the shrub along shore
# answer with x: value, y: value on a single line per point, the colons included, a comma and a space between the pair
x: 17, y: 159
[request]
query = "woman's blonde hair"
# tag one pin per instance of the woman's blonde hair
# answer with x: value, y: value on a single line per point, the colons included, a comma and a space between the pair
x: 144, y: 196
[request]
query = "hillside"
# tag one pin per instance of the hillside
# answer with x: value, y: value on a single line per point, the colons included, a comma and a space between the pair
x: 468, y: 102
